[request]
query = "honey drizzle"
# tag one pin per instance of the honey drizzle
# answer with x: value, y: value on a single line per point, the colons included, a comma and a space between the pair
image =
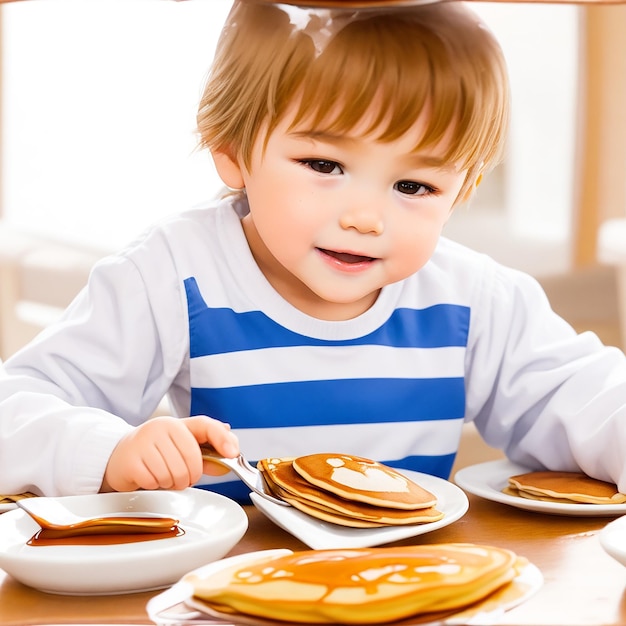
x: 384, y: 566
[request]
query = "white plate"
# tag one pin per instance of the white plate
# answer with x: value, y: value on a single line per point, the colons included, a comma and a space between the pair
x: 320, y: 535
x: 613, y: 539
x: 212, y: 525
x: 176, y: 605
x: 488, y: 479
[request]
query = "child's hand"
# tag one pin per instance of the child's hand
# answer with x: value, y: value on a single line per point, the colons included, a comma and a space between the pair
x: 164, y: 453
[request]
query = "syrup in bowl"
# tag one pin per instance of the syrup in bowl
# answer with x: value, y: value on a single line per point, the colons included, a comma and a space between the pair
x: 59, y: 522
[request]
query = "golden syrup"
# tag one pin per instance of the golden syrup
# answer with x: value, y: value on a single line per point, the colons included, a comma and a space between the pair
x: 45, y: 537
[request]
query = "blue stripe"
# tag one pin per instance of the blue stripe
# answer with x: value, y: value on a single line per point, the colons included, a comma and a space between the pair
x: 222, y: 330
x: 234, y: 490
x: 433, y: 465
x: 316, y: 403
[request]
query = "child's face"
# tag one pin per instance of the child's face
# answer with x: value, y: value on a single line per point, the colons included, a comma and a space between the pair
x: 335, y: 218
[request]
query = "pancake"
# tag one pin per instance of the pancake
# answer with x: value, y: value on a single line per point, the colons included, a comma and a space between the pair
x: 328, y: 515
x: 512, y: 491
x: 285, y: 483
x: 570, y: 487
x: 421, y: 516
x: 359, y: 586
x: 363, y: 480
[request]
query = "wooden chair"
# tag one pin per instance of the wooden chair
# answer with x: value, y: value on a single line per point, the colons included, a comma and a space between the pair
x: 612, y: 251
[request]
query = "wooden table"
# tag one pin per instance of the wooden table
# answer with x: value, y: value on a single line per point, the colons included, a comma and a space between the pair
x: 583, y: 584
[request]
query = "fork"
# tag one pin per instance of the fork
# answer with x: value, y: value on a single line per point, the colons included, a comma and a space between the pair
x: 250, y: 475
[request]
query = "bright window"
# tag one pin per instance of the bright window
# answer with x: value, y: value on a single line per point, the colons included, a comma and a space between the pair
x: 100, y: 99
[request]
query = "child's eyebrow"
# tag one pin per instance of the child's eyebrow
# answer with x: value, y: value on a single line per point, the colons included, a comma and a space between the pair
x: 320, y: 135
x: 419, y: 159
x: 415, y: 159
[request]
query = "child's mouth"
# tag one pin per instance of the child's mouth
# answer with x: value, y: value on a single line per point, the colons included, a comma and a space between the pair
x: 347, y: 257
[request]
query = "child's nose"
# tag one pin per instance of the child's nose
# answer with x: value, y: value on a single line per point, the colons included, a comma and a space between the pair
x: 364, y: 215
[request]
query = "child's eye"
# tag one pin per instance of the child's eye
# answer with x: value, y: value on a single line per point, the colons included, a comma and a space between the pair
x: 411, y: 188
x: 322, y: 166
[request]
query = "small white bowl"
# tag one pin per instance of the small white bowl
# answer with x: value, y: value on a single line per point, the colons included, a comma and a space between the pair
x: 212, y: 525
x: 613, y: 539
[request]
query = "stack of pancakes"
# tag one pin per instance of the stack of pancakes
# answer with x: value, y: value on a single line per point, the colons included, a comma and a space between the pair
x: 564, y: 487
x: 358, y: 586
x: 349, y: 490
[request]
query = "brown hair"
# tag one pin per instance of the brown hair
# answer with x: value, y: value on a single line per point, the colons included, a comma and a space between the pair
x: 436, y: 55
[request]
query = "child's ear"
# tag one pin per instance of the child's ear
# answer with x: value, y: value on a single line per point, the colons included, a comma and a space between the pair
x: 228, y: 169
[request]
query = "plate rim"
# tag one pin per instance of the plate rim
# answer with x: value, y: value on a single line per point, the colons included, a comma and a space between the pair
x: 466, y: 479
x: 345, y: 537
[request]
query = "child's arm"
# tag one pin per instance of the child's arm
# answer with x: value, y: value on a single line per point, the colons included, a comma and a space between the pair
x: 164, y: 453
x: 548, y: 397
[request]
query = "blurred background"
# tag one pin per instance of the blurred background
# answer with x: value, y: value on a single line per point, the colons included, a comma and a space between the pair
x: 97, y: 114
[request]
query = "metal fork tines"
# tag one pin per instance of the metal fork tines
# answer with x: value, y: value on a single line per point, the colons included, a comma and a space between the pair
x: 250, y: 475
